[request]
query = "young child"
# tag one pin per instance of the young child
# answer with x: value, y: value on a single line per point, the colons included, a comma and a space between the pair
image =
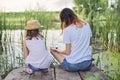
x: 36, y: 56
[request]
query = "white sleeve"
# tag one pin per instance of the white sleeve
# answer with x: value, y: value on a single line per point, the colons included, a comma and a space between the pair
x: 66, y: 36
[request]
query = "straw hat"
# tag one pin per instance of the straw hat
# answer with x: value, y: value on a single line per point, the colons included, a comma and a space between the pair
x: 32, y: 24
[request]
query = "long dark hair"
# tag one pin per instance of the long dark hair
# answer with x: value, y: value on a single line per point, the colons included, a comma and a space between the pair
x: 68, y: 17
x: 33, y: 33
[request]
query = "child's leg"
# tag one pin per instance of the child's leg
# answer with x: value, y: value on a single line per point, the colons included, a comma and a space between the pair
x: 59, y: 57
x: 33, y: 68
x: 36, y: 69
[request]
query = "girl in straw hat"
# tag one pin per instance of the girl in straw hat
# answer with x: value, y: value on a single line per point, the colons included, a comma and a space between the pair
x: 36, y: 56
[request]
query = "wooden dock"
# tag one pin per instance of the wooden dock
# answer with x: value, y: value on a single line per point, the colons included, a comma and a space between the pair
x: 57, y: 73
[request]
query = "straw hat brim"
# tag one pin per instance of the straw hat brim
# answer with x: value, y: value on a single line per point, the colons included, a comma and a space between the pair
x: 32, y: 24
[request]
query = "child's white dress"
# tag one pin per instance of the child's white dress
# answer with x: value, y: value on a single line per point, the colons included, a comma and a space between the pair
x: 38, y: 55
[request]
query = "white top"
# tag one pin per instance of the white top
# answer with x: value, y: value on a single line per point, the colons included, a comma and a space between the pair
x: 79, y: 38
x: 38, y: 55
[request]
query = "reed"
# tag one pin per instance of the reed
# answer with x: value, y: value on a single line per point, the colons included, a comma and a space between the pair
x: 1, y: 49
x: 110, y: 29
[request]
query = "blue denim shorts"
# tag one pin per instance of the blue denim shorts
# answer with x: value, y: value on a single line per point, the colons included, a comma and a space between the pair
x: 82, y: 66
x: 35, y: 69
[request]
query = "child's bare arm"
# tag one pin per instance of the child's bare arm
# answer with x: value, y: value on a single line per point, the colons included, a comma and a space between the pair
x: 25, y: 50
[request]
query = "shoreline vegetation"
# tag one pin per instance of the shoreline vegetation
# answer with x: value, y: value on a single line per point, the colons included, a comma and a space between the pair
x: 16, y: 20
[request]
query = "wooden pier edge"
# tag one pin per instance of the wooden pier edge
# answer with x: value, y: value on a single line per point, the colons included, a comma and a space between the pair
x: 57, y: 73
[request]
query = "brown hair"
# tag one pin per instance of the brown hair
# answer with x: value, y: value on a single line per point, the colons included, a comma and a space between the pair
x: 68, y: 17
x: 33, y: 33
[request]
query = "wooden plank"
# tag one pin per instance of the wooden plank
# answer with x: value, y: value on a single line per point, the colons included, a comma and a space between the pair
x: 42, y: 76
x: 56, y: 73
x: 94, y: 72
x: 53, y: 72
x: 64, y: 75
x: 47, y: 76
x: 18, y: 74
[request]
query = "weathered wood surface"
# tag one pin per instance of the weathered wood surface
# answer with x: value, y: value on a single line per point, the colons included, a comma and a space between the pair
x: 19, y: 74
x: 93, y: 72
x: 64, y: 75
x: 56, y: 73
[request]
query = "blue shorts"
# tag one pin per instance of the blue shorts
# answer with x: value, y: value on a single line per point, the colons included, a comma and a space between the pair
x: 35, y: 69
x: 82, y: 66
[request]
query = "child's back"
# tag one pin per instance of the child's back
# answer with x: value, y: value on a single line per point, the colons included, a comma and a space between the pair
x: 38, y: 56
